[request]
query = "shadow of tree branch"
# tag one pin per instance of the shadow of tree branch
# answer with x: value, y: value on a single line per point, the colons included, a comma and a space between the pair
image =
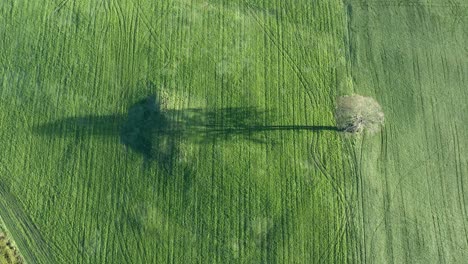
x: 155, y: 133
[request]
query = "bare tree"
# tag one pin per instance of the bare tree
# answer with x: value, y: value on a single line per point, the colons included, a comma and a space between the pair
x: 356, y: 113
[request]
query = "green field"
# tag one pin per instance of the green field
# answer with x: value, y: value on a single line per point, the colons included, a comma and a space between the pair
x: 412, y: 189
x: 242, y: 163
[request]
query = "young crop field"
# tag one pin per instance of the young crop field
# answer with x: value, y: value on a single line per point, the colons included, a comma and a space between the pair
x: 412, y: 195
x: 203, y: 131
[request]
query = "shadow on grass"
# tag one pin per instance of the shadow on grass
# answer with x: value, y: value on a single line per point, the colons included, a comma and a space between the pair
x: 155, y: 133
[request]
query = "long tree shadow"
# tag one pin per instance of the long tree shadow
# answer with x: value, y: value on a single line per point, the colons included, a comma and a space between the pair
x: 155, y: 133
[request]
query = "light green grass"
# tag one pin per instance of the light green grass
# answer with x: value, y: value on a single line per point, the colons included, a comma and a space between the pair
x: 71, y: 192
x: 9, y: 254
x: 412, y: 179
x: 76, y: 195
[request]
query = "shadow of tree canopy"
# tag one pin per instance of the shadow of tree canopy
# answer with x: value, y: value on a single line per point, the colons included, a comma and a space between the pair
x: 155, y: 133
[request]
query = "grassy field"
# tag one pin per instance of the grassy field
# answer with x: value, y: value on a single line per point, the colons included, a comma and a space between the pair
x: 242, y: 164
x: 270, y: 192
x: 412, y: 179
x: 8, y: 252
